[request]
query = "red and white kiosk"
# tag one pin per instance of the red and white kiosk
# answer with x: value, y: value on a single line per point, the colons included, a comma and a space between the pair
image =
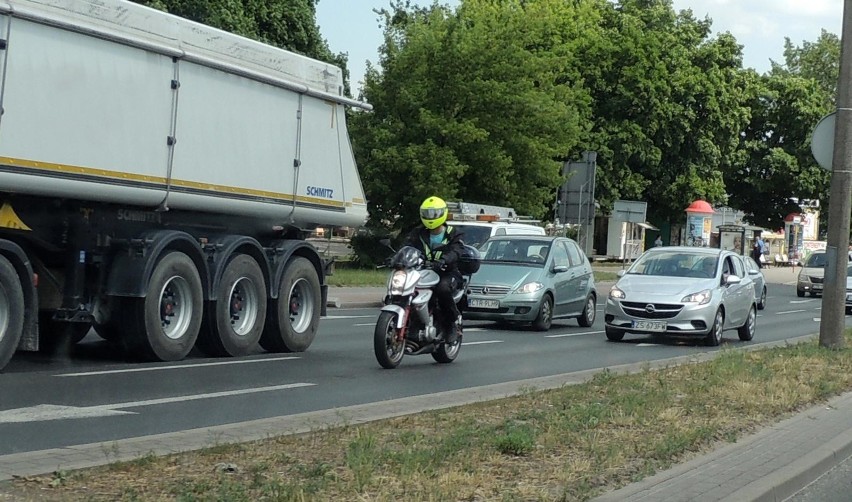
x: 699, y: 224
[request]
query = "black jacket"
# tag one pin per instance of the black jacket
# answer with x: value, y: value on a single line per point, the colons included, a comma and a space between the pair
x: 450, y: 251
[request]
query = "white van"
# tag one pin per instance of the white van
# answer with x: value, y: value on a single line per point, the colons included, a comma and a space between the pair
x: 477, y: 232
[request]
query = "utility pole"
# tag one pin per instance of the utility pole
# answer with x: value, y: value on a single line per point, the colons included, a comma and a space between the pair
x: 833, y: 318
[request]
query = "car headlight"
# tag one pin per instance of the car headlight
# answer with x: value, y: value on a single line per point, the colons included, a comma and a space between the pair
x: 616, y: 294
x: 398, y: 282
x: 701, y: 298
x: 804, y: 278
x: 530, y: 287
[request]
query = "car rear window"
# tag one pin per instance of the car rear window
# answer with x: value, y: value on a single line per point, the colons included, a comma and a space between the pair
x: 473, y: 235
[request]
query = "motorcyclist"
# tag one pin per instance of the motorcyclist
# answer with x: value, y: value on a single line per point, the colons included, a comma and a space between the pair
x: 441, y: 245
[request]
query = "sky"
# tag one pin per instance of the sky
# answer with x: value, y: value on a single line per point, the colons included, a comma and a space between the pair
x: 352, y: 27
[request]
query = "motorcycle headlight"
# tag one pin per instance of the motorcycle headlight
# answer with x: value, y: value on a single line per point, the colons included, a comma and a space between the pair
x: 701, y: 298
x: 398, y: 282
x: 616, y: 294
x: 530, y: 287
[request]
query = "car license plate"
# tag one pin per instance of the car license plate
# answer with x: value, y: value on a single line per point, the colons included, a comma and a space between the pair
x: 650, y: 325
x: 817, y: 287
x: 483, y: 304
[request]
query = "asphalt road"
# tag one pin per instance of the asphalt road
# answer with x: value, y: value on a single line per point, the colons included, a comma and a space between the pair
x: 94, y: 396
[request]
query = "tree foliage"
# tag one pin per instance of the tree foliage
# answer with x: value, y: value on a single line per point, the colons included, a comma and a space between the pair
x: 477, y: 104
x: 776, y: 164
x: 668, y: 105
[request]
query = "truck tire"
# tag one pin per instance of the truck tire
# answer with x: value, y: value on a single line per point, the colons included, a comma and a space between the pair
x: 164, y: 325
x: 11, y: 311
x: 293, y: 318
x: 235, y: 322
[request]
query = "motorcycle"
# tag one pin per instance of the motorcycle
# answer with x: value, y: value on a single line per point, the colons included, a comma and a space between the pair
x: 407, y: 323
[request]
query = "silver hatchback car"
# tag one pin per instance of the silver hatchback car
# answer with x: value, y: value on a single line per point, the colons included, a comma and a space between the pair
x: 683, y: 292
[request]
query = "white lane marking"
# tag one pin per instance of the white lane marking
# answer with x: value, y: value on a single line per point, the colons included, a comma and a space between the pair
x: 178, y: 367
x: 482, y: 342
x: 817, y: 319
x: 365, y: 324
x: 45, y: 412
x: 791, y: 312
x: 802, y: 301
x: 647, y: 344
x: 563, y: 335
x: 346, y: 316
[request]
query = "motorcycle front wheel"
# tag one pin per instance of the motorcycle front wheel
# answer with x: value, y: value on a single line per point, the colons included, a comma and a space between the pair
x: 388, y: 348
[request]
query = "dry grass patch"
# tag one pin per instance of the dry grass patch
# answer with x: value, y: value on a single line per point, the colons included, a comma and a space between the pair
x: 567, y: 444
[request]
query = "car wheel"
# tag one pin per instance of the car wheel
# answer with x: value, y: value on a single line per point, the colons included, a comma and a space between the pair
x: 545, y: 314
x: 587, y: 318
x: 613, y: 335
x: 800, y: 293
x: 746, y: 331
x: 762, y: 303
x: 714, y: 336
x: 813, y: 295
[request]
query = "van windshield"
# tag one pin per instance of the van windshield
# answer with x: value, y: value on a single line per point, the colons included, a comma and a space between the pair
x: 473, y: 235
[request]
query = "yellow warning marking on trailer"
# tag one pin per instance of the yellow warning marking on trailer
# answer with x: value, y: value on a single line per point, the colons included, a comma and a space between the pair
x: 10, y: 219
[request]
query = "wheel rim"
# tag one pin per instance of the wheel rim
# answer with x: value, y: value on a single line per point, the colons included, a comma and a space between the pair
x: 717, y: 326
x: 175, y: 307
x: 5, y: 312
x: 394, y: 347
x: 546, y: 311
x: 763, y: 297
x: 590, y: 310
x: 243, y: 305
x: 301, y: 306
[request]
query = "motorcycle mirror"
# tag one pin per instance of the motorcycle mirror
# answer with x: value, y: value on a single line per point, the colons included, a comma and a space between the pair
x: 385, y: 242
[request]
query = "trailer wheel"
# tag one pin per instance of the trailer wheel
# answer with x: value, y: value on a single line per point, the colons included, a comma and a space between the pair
x: 293, y: 318
x: 164, y: 325
x: 11, y: 311
x: 234, y: 326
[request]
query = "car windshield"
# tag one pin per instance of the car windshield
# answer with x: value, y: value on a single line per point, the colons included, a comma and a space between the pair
x: 816, y: 260
x: 472, y: 234
x: 676, y: 264
x: 516, y: 251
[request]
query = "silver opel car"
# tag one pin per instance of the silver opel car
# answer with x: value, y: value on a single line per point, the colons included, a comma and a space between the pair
x: 683, y: 292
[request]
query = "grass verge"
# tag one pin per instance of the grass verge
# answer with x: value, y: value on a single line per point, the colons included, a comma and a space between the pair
x: 571, y: 443
x: 369, y: 277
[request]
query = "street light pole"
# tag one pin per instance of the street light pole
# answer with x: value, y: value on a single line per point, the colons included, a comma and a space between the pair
x: 833, y: 318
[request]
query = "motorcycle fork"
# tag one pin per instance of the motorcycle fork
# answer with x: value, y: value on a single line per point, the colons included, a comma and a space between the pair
x: 400, y: 335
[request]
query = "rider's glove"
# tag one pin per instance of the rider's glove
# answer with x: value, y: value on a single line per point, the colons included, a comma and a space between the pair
x: 439, y: 265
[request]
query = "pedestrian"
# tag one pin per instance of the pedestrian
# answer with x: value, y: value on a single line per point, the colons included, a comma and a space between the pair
x: 659, y: 242
x: 758, y: 251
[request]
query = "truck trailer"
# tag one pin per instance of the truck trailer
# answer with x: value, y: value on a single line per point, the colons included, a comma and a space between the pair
x: 158, y: 178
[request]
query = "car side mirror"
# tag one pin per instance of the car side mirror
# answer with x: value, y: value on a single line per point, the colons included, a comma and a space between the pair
x: 732, y: 279
x: 753, y: 272
x: 558, y: 269
x: 621, y: 273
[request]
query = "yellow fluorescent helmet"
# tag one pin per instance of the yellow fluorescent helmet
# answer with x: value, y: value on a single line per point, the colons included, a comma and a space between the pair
x: 433, y: 212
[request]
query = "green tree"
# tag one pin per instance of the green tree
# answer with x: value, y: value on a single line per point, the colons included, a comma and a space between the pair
x: 668, y: 107
x: 476, y: 104
x: 819, y: 60
x: 775, y: 163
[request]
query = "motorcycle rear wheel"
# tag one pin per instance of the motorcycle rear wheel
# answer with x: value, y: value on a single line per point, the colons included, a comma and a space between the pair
x: 445, y: 353
x: 388, y: 348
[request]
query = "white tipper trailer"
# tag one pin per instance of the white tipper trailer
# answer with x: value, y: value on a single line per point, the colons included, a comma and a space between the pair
x: 157, y: 180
